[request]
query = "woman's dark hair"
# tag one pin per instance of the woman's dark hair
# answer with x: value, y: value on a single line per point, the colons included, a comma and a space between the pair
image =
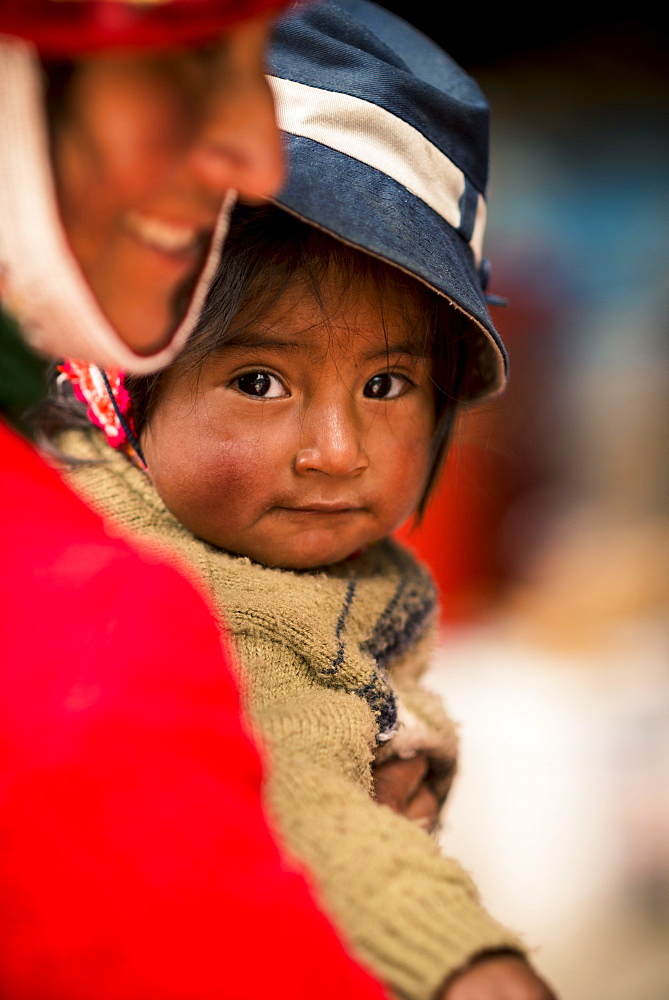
x: 265, y: 251
x: 58, y: 75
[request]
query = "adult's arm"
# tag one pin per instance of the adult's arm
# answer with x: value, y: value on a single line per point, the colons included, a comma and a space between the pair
x: 135, y: 859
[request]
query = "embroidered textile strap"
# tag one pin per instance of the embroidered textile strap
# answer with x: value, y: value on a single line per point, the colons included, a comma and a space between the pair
x: 108, y: 404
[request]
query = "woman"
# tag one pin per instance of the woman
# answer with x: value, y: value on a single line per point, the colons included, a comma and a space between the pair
x: 136, y: 860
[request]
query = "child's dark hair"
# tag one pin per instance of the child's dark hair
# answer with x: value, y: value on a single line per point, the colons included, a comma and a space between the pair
x: 266, y: 249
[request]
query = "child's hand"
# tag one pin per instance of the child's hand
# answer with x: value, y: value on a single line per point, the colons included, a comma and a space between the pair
x: 498, y: 977
x: 402, y: 785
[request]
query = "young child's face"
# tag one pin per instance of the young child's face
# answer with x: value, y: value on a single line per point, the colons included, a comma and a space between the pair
x: 306, y: 442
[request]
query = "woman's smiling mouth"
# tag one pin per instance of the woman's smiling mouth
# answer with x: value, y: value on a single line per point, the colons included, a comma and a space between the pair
x: 167, y: 237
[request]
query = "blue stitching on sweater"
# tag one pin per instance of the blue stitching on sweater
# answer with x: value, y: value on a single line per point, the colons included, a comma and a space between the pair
x: 391, y: 636
x: 383, y: 703
x: 341, y: 621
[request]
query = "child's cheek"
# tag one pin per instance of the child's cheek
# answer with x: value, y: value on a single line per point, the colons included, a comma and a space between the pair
x: 402, y: 467
x: 220, y: 490
x: 403, y: 495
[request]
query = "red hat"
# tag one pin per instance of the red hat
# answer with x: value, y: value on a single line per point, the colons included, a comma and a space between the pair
x: 71, y: 27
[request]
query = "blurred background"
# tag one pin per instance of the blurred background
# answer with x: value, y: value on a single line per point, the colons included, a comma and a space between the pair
x: 549, y: 536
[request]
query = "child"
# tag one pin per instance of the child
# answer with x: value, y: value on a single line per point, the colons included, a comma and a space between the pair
x: 306, y: 419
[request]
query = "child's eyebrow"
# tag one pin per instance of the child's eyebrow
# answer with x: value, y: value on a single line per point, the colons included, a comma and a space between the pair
x: 409, y: 347
x: 258, y: 342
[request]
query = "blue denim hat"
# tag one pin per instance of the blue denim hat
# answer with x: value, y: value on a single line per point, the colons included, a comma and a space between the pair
x: 387, y: 146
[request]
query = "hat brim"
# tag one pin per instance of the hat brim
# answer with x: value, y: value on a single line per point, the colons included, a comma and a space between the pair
x: 367, y: 209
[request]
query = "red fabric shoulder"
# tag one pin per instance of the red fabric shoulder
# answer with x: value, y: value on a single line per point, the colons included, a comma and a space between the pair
x: 135, y: 859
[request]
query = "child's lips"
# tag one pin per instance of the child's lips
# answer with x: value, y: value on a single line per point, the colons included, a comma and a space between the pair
x: 342, y: 507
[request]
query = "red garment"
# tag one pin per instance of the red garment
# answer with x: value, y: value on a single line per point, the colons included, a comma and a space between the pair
x: 135, y: 860
x: 71, y: 29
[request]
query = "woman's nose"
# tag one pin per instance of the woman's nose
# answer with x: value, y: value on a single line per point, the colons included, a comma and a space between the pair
x: 331, y: 443
x: 238, y: 144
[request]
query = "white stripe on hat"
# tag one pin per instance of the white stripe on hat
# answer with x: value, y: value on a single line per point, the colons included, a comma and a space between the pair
x: 476, y: 242
x: 372, y: 135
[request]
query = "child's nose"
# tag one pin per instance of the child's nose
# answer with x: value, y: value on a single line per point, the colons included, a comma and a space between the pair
x: 331, y: 442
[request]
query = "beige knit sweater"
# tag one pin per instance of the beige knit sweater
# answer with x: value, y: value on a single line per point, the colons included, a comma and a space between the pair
x: 326, y: 657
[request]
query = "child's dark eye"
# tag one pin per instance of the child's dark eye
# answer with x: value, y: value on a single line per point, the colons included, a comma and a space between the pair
x: 262, y: 385
x: 385, y: 386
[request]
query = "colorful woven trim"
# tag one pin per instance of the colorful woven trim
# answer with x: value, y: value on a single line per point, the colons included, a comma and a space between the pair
x: 108, y: 403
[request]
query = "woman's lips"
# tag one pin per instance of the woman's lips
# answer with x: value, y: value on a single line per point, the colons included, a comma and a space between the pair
x: 167, y: 237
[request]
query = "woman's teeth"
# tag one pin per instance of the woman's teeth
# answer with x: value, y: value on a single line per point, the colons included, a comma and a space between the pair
x: 169, y: 237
